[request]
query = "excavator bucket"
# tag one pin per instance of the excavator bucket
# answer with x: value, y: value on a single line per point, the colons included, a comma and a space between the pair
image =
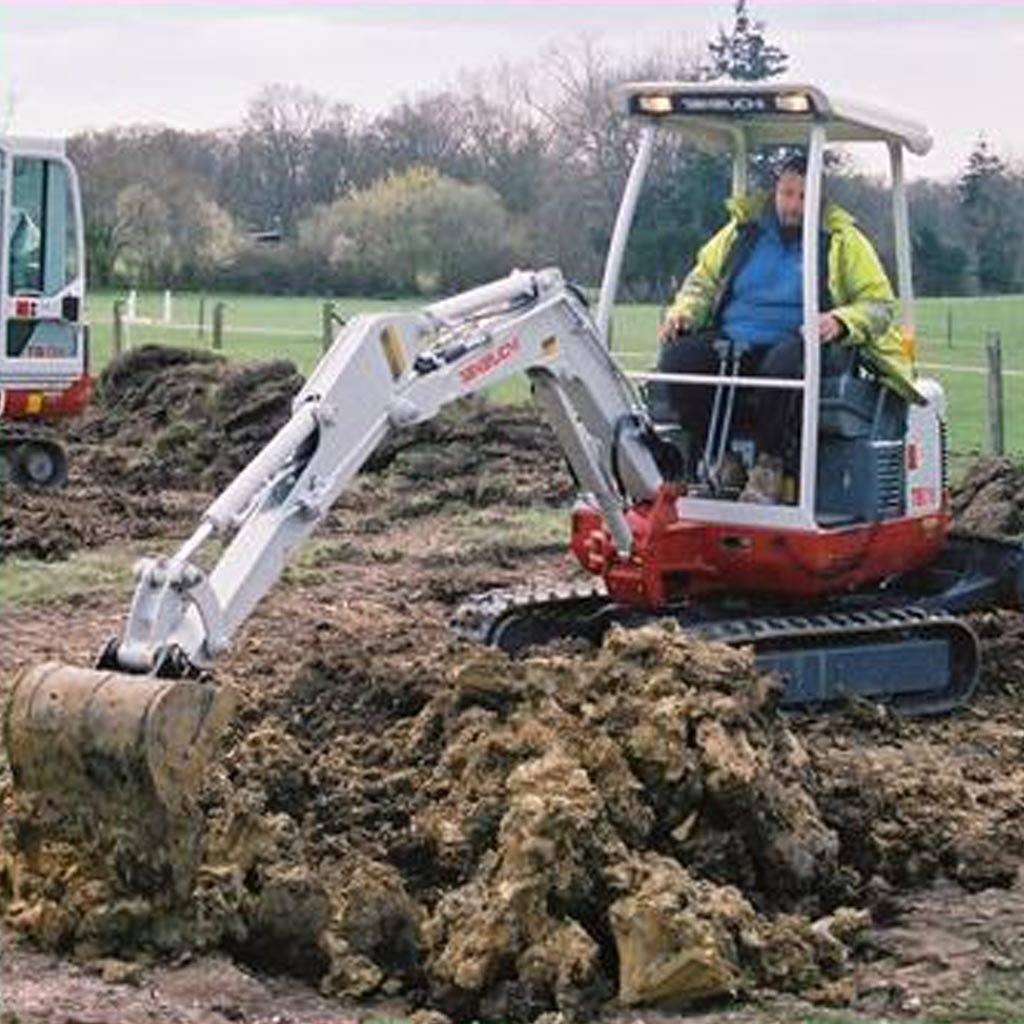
x: 93, y: 750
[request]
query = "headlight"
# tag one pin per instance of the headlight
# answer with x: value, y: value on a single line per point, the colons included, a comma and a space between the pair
x: 654, y: 104
x: 793, y: 102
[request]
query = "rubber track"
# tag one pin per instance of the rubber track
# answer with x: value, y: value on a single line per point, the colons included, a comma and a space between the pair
x: 519, y: 618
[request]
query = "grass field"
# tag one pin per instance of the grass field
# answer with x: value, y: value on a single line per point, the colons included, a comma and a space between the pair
x: 261, y: 327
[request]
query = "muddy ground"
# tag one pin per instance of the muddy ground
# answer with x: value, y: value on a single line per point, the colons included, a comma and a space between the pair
x: 398, y: 824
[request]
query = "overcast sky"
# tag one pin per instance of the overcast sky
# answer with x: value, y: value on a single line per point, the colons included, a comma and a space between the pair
x: 959, y: 67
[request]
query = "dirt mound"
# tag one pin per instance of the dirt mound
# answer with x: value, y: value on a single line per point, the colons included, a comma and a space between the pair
x: 497, y: 839
x: 990, y: 499
x: 51, y: 525
x: 477, y: 454
x: 185, y: 418
x: 167, y: 417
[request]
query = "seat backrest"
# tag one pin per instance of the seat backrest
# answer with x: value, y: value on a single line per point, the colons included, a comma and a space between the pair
x: 855, y: 404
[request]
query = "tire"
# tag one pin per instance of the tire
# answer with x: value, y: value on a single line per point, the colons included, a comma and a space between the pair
x: 42, y: 465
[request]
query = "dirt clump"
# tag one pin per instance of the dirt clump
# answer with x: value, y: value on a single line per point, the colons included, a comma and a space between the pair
x: 990, y: 498
x: 477, y: 454
x: 182, y: 418
x: 906, y: 816
x: 51, y: 525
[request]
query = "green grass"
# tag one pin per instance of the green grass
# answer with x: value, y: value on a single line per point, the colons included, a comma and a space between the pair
x: 27, y: 582
x: 251, y: 322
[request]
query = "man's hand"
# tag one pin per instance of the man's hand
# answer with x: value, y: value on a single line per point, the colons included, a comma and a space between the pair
x: 673, y: 325
x: 830, y: 328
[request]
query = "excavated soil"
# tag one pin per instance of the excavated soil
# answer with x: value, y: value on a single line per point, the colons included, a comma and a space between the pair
x: 393, y: 816
x: 990, y: 499
x: 169, y: 425
x: 495, y: 839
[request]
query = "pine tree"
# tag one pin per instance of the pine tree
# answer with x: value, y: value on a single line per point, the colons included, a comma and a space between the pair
x: 989, y: 206
x: 743, y: 55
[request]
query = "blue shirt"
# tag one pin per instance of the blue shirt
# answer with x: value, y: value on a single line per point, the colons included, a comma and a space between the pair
x: 765, y: 305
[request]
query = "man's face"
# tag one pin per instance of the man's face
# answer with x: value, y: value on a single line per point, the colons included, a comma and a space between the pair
x: 789, y: 199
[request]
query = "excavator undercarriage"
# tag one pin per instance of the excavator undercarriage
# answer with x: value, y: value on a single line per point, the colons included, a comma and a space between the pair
x: 901, y: 644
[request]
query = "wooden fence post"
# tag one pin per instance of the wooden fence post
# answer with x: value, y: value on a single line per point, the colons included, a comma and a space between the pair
x: 201, y: 317
x: 118, y: 337
x: 326, y: 326
x: 996, y: 424
x: 218, y: 325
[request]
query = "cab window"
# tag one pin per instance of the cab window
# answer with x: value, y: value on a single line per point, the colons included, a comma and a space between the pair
x: 42, y: 244
x: 26, y: 226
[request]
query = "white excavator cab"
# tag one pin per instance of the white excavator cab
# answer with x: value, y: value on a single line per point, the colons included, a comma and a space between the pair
x: 742, y: 119
x: 42, y: 268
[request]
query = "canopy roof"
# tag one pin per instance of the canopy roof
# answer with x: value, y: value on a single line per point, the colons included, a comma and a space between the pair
x: 714, y: 115
x: 33, y: 145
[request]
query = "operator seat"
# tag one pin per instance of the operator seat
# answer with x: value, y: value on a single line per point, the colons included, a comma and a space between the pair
x: 861, y: 443
x: 861, y: 448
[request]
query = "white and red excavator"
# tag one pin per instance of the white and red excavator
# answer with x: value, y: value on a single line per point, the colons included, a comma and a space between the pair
x: 44, y: 369
x: 856, y: 588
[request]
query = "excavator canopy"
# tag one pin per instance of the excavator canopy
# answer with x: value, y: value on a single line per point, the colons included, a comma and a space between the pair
x: 765, y: 114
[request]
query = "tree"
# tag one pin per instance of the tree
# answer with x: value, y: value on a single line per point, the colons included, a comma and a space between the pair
x: 427, y: 132
x: 171, y: 233
x: 146, y: 192
x: 938, y: 268
x: 743, y: 55
x: 413, y: 231
x: 591, y: 148
x: 291, y: 153
x: 990, y: 198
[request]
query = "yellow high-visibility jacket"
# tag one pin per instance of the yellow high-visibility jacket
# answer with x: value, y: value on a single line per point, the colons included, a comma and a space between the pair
x: 860, y: 293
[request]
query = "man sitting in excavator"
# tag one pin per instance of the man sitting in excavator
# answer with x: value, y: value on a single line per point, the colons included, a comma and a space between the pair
x: 747, y: 287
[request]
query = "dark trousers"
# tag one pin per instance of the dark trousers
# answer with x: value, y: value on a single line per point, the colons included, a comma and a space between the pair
x: 770, y: 417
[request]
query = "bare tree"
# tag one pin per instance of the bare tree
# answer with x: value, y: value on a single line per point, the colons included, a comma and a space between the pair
x: 290, y: 153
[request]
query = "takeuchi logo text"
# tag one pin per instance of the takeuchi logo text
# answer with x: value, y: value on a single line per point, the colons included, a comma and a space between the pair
x: 487, y: 362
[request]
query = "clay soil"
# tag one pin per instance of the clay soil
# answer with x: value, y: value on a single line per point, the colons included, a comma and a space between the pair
x: 398, y: 825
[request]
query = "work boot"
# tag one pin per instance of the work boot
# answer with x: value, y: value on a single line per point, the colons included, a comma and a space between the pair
x: 764, y: 484
x: 732, y: 474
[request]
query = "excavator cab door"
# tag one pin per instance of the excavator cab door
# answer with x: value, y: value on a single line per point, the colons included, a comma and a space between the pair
x: 42, y: 277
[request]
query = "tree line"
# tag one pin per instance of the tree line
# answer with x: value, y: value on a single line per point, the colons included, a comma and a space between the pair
x: 521, y: 167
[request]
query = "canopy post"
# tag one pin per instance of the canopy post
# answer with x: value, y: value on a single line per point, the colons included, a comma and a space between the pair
x: 901, y: 225
x: 620, y: 233
x: 812, y: 337
x: 740, y: 153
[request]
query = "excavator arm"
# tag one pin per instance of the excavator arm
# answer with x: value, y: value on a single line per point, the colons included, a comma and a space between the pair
x: 384, y: 372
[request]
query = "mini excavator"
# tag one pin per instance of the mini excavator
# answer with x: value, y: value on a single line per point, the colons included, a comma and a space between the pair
x: 854, y: 589
x: 44, y: 366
